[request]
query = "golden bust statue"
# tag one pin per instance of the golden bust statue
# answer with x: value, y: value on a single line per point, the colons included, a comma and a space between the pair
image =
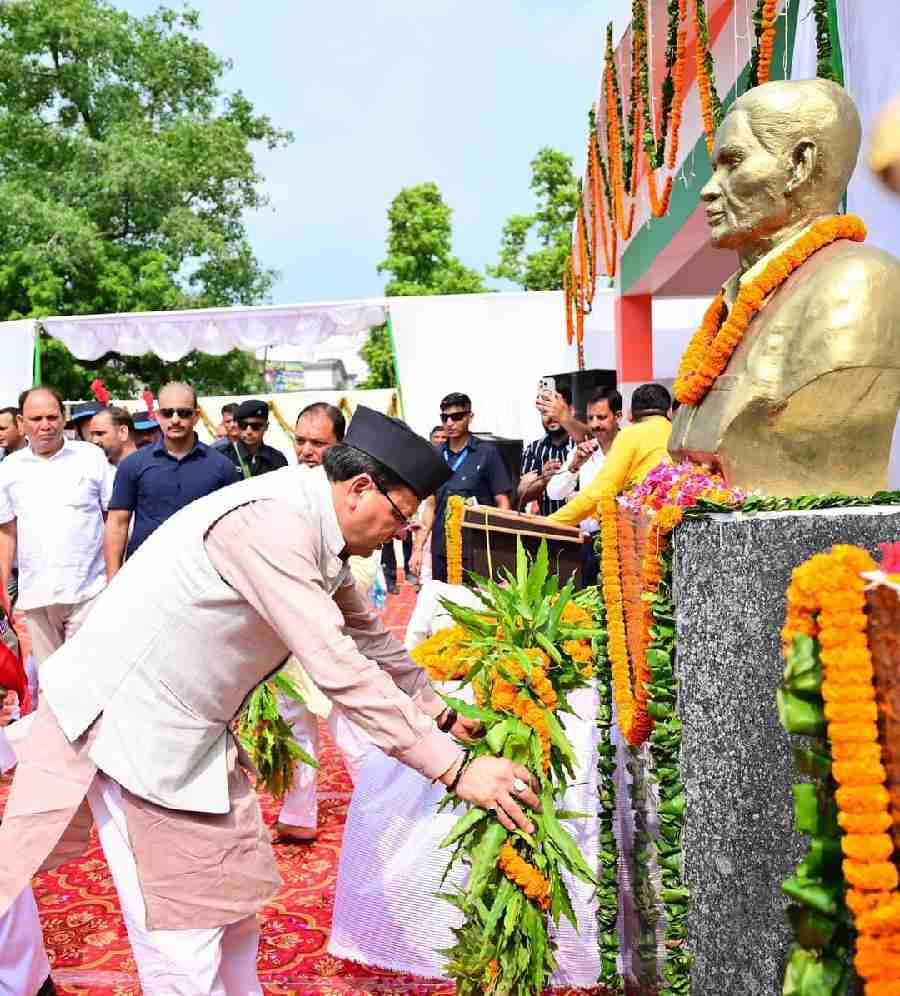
x: 808, y: 399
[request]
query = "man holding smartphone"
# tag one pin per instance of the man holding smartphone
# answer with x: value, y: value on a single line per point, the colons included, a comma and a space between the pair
x: 544, y: 457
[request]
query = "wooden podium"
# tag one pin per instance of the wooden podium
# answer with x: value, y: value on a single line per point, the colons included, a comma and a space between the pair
x: 489, y: 542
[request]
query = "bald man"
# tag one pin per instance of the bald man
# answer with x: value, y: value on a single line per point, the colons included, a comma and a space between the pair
x: 53, y: 500
x: 808, y: 399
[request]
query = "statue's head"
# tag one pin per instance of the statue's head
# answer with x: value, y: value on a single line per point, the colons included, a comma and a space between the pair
x: 784, y: 153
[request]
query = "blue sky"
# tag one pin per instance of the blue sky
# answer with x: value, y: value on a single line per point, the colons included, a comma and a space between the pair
x: 389, y: 93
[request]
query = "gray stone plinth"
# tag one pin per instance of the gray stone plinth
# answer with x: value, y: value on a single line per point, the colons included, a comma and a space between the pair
x: 731, y: 574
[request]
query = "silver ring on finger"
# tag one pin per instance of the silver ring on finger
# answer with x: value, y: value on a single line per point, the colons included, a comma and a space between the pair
x: 519, y: 786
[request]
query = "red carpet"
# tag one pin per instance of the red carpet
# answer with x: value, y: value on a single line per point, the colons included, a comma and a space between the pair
x: 88, y: 946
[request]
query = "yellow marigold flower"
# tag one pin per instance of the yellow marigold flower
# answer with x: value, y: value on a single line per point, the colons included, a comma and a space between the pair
x: 852, y: 732
x: 851, y: 712
x: 579, y: 650
x: 834, y: 691
x: 575, y: 615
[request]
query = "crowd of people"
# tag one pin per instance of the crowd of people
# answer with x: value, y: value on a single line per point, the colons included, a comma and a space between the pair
x: 252, y: 566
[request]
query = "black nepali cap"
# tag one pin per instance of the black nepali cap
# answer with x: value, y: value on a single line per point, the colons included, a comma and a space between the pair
x: 391, y: 441
x: 254, y: 408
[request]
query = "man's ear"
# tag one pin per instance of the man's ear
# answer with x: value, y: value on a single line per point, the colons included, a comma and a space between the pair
x: 803, y: 164
x: 357, y: 485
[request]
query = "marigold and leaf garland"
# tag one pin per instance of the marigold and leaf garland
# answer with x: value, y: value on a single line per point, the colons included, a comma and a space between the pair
x: 453, y: 538
x: 722, y: 331
x: 828, y: 694
x: 267, y: 736
x: 524, y: 653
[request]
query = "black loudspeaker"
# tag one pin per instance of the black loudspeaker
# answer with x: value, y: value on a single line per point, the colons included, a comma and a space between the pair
x: 582, y: 384
x: 510, y: 453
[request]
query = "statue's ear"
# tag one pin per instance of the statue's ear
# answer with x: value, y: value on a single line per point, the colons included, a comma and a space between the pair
x: 803, y: 164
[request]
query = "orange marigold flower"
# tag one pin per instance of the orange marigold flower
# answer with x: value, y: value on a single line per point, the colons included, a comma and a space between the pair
x: 880, y: 915
x: 865, y: 823
x: 528, y: 878
x: 877, y: 876
x: 868, y: 848
x: 867, y: 799
x: 858, y: 773
x: 851, y: 712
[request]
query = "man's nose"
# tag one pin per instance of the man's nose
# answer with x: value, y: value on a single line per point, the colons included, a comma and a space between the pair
x: 710, y: 190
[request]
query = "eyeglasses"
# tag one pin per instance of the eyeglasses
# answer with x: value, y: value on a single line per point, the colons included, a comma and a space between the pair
x: 180, y: 412
x: 255, y: 426
x: 453, y: 416
x: 398, y: 515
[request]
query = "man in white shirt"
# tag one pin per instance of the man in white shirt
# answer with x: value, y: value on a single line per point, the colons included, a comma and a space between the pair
x: 53, y: 500
x: 604, y: 415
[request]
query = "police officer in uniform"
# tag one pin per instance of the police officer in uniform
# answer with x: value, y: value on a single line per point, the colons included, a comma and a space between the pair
x: 251, y: 455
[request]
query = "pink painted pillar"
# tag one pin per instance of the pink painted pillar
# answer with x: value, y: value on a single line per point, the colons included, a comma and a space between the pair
x: 634, y: 338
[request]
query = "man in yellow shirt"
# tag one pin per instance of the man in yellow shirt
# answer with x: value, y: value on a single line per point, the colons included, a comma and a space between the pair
x: 635, y: 451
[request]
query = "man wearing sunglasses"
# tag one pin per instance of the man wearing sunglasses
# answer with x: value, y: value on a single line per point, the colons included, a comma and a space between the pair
x: 136, y: 711
x: 251, y: 455
x: 477, y: 471
x: 157, y: 480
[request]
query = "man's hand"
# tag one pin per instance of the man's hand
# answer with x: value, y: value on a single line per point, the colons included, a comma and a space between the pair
x: 496, y: 784
x: 550, y: 468
x: 553, y: 405
x: 415, y: 561
x: 582, y: 453
x: 467, y: 730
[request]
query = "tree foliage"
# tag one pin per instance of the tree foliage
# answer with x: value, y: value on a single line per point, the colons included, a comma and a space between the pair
x: 534, y: 247
x: 125, y: 170
x: 419, y: 243
x: 420, y: 261
x: 379, y: 356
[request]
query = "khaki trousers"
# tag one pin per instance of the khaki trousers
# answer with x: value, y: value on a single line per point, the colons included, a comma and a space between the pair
x: 51, y: 625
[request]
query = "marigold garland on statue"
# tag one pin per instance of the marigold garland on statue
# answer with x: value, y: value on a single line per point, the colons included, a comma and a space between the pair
x: 721, y: 331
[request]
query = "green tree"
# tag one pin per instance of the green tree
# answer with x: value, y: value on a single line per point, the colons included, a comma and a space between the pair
x: 125, y: 170
x: 379, y: 356
x: 533, y: 247
x: 419, y: 243
x: 420, y: 261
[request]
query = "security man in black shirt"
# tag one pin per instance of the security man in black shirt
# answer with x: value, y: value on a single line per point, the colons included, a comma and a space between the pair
x: 251, y: 455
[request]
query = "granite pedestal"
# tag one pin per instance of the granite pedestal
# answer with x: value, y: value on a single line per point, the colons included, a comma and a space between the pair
x: 730, y: 577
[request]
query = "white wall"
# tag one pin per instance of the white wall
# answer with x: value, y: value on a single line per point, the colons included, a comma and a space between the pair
x: 495, y: 347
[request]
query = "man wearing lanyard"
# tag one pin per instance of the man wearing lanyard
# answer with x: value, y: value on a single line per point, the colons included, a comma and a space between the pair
x: 478, y: 472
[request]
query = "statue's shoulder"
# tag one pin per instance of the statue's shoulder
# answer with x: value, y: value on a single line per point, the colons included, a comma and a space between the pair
x: 845, y: 310
x: 850, y: 281
x: 845, y: 267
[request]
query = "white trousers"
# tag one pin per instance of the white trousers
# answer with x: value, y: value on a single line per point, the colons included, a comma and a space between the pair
x: 23, y: 960
x: 199, y: 962
x: 301, y: 805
